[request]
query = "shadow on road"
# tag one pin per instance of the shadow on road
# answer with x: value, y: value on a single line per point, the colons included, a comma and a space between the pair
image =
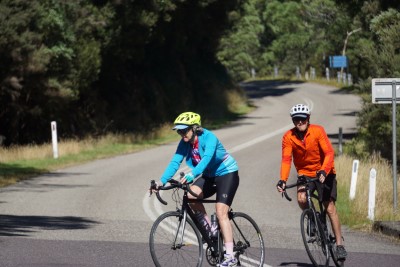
x: 259, y: 89
x: 296, y: 264
x: 12, y: 225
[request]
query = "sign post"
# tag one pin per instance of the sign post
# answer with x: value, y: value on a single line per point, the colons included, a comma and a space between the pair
x: 386, y: 91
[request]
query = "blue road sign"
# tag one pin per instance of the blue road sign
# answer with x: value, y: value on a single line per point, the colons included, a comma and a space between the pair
x: 338, y: 61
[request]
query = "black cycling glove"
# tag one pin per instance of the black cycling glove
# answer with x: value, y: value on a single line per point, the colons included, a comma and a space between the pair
x: 321, y: 172
x: 281, y: 183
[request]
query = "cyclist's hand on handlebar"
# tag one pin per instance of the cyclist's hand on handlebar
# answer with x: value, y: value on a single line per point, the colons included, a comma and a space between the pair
x: 154, y: 187
x: 188, y: 178
x: 281, y: 186
x: 321, y: 175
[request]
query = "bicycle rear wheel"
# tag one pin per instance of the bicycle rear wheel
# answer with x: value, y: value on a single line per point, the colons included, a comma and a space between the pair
x: 314, y: 239
x: 248, y: 242
x: 173, y: 243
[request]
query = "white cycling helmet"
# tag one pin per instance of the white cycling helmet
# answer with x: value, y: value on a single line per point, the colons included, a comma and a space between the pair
x: 300, y: 111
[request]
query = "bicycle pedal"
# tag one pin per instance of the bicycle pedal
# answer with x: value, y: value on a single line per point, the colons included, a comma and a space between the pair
x: 312, y: 239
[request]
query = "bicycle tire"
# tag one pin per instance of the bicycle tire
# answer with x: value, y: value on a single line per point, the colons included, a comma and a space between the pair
x: 249, y: 246
x: 162, y: 248
x: 332, y: 240
x: 314, y: 239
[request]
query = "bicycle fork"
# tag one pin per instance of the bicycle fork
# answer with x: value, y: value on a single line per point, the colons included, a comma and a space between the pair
x: 180, y: 232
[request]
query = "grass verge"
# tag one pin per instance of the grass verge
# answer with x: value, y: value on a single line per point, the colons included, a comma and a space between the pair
x: 354, y: 213
x: 22, y: 162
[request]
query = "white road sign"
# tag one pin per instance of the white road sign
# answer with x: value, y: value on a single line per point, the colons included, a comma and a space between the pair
x: 382, y: 90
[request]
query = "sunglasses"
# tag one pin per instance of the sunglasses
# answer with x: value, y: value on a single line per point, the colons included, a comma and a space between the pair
x: 183, y: 131
x: 297, y: 120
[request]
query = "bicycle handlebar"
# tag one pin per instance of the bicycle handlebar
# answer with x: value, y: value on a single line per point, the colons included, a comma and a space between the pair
x: 173, y: 184
x: 301, y: 180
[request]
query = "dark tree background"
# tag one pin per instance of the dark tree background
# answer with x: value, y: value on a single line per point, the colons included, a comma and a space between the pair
x: 129, y: 66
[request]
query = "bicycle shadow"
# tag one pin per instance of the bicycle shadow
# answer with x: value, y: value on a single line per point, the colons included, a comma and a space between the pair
x: 293, y: 263
x: 13, y: 225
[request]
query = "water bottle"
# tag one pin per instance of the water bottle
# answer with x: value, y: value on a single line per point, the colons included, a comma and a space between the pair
x: 214, y: 226
x: 203, y: 222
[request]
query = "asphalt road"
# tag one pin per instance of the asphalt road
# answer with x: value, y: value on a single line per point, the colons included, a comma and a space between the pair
x: 99, y: 213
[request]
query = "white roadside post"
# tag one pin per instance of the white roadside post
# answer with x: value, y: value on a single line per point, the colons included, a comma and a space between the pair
x: 54, y: 139
x: 354, y: 174
x: 371, y: 198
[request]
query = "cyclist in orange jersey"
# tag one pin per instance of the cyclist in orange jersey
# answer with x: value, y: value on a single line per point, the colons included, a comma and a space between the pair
x: 313, y: 156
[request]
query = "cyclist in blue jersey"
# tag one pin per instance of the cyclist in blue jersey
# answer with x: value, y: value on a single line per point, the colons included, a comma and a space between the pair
x: 217, y: 171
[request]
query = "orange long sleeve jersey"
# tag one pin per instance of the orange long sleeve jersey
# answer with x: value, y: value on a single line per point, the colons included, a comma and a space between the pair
x: 310, y: 155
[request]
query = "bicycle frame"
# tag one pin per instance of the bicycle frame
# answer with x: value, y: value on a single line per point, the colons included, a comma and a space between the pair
x: 186, y: 211
x: 327, y: 240
x: 186, y: 224
x: 309, y: 196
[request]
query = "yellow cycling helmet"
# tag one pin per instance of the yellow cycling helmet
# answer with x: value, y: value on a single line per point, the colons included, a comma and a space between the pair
x: 187, y: 119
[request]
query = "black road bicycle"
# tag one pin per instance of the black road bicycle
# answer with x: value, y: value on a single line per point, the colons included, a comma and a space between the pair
x: 178, y: 239
x: 316, y: 229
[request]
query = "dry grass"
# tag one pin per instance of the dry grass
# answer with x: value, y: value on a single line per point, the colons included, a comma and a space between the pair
x: 237, y: 102
x: 355, y: 212
x: 73, y: 147
x: 22, y: 162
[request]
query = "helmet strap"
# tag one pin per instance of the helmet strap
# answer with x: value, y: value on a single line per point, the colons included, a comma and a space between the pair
x: 193, y: 135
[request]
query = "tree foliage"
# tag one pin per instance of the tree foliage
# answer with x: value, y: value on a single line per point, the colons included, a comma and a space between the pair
x: 98, y: 66
x: 383, y: 57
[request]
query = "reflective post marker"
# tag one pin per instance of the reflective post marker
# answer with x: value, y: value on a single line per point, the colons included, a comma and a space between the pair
x: 371, y: 198
x: 354, y: 174
x: 54, y: 139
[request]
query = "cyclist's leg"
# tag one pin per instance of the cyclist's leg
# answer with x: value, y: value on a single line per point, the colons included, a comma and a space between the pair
x: 223, y: 219
x: 226, y: 190
x: 330, y: 196
x: 334, y: 218
x: 301, y: 197
x: 203, y: 187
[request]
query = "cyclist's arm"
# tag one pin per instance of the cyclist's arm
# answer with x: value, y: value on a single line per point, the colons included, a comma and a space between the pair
x: 328, y: 151
x: 210, y: 141
x: 286, y: 161
x: 175, y: 162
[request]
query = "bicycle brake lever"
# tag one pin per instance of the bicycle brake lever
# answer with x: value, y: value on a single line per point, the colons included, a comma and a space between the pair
x: 152, y: 186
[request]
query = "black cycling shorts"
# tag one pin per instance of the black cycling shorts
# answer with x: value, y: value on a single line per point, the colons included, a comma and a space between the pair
x: 225, y: 186
x: 326, y: 192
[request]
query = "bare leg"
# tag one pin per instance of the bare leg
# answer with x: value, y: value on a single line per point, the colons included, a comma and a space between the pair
x: 334, y: 217
x: 197, y: 206
x: 301, y: 198
x: 224, y: 223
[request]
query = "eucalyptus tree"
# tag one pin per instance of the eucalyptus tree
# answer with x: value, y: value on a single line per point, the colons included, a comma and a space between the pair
x: 383, y: 58
x: 305, y: 33
x: 241, y: 48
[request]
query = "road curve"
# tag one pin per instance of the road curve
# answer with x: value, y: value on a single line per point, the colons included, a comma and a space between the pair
x: 99, y: 214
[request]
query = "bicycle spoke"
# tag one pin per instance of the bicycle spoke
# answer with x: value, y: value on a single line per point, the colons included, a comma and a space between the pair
x: 248, y: 241
x: 169, y: 248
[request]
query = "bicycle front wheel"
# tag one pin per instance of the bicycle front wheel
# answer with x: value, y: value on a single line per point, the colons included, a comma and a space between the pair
x: 248, y: 242
x: 332, y: 240
x: 314, y: 239
x: 174, y: 242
